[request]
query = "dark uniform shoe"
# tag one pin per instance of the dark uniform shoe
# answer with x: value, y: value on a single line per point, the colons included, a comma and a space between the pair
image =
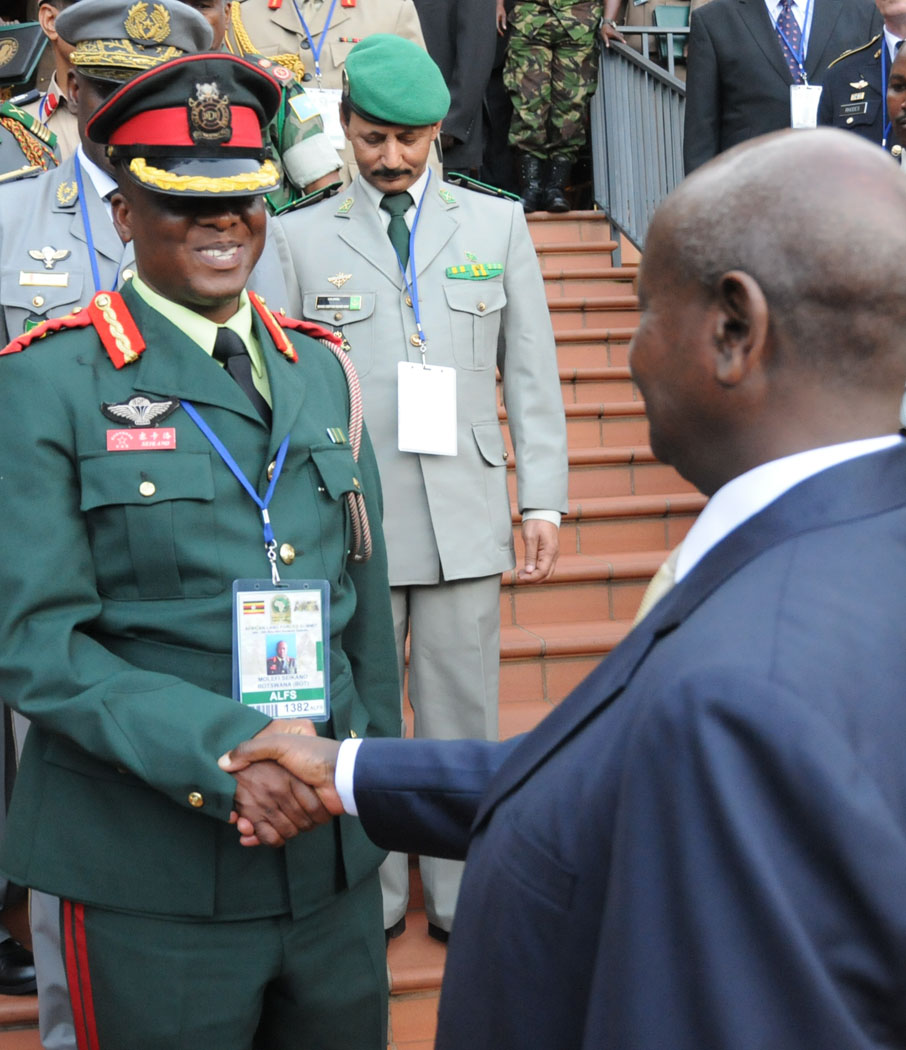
x: 17, y: 969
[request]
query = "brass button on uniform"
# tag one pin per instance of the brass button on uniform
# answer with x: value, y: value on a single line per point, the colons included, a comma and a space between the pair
x: 353, y: 735
x: 38, y: 300
x: 506, y: 455
x: 103, y: 301
x: 355, y: 482
x: 271, y: 467
x: 147, y: 488
x: 338, y: 316
x: 128, y: 275
x: 849, y: 120
x: 415, y: 339
x: 482, y: 307
x: 287, y: 553
x: 408, y: 300
x: 196, y: 799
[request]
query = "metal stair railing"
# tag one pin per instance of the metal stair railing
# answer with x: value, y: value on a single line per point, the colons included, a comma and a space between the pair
x: 636, y: 133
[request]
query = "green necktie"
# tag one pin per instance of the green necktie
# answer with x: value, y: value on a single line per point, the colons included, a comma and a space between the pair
x: 398, y: 232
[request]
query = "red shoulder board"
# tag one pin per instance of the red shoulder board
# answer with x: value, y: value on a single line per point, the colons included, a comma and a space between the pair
x: 77, y: 319
x: 117, y: 331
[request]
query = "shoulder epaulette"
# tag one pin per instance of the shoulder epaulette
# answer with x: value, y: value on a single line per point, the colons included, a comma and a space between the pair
x: 77, y: 319
x: 468, y: 183
x: 31, y: 123
x: 855, y: 50
x: 111, y: 319
x: 315, y: 197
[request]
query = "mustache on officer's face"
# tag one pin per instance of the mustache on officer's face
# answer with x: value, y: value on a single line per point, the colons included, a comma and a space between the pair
x: 390, y: 173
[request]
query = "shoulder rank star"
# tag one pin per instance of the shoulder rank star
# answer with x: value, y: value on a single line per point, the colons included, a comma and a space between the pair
x: 49, y: 256
x: 339, y: 279
x: 139, y: 411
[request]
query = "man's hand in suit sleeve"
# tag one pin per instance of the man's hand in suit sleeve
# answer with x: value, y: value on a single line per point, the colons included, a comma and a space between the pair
x: 542, y: 546
x: 285, y: 782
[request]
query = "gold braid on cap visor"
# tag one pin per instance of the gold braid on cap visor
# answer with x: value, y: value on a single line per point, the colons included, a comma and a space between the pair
x: 266, y: 177
x: 103, y: 55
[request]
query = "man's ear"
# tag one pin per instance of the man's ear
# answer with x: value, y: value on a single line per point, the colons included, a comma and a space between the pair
x: 742, y: 327
x: 47, y: 18
x: 121, y: 211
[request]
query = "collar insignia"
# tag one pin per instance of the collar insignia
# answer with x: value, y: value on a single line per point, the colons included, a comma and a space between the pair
x: 446, y: 196
x: 346, y: 206
x: 49, y: 256
x: 139, y: 411
x: 339, y: 279
x: 147, y: 27
x: 67, y: 192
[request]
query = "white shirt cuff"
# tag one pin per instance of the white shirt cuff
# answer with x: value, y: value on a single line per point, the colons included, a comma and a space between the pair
x: 553, y: 516
x: 344, y: 774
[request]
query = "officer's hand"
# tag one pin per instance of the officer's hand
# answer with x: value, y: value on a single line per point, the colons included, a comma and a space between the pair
x: 309, y: 763
x: 542, y: 546
x: 500, y: 17
x: 609, y: 32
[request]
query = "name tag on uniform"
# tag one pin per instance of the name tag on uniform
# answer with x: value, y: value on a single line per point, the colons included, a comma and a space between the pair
x: 328, y: 102
x: 132, y: 440
x: 426, y: 404
x: 338, y: 302
x: 804, y: 99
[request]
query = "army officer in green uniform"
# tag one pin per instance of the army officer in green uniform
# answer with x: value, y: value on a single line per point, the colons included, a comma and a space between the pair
x: 140, y: 479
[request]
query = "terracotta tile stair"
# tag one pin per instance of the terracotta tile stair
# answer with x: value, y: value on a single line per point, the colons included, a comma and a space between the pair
x: 626, y: 511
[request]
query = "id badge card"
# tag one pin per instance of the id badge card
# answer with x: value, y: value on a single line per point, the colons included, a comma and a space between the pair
x: 426, y: 408
x: 804, y: 99
x: 327, y: 101
x: 281, y: 647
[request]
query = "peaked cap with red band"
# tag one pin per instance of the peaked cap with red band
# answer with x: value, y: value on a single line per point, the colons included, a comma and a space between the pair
x: 193, y: 127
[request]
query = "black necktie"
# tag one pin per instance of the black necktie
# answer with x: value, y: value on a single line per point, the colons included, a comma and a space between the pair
x: 790, y: 39
x: 230, y: 350
x: 398, y: 232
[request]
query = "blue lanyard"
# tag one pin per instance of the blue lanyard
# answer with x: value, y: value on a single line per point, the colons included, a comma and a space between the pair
x: 412, y: 284
x: 800, y: 54
x: 92, y: 254
x: 316, y: 51
x: 270, y: 544
x: 888, y: 124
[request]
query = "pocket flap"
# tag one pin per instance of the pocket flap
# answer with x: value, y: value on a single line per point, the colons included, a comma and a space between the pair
x: 116, y: 478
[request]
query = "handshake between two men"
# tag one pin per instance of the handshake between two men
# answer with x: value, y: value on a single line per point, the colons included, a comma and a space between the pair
x: 284, y: 782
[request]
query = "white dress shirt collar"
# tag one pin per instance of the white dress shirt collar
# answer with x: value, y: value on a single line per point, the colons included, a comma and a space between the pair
x: 103, y: 182
x: 891, y: 40
x: 746, y: 495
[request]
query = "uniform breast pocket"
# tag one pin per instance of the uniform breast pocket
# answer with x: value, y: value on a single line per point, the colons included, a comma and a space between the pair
x: 337, y: 474
x: 26, y: 296
x: 353, y: 315
x: 474, y: 313
x: 151, y: 524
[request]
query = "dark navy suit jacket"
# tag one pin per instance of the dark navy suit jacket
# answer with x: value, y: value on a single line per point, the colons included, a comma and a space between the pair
x: 704, y: 846
x: 738, y: 82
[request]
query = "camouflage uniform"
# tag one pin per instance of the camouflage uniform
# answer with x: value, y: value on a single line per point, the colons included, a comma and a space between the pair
x: 550, y: 73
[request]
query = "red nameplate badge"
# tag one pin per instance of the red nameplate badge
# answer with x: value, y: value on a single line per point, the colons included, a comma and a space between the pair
x: 135, y: 440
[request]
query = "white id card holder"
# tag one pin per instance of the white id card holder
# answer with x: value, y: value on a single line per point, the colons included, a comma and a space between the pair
x: 804, y: 99
x: 281, y: 647
x: 328, y: 102
x: 426, y: 406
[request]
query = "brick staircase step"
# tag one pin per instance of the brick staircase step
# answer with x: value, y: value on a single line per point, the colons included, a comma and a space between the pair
x: 584, y: 280
x: 613, y: 524
x: 547, y: 227
x: 584, y: 588
x: 416, y: 960
x: 19, y: 1022
x: 599, y: 423
x: 597, y: 383
x: 593, y: 312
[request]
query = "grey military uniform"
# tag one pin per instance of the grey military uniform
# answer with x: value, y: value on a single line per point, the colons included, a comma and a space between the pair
x: 45, y: 263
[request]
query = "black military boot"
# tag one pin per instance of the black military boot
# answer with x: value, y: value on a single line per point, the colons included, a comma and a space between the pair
x: 558, y: 172
x: 530, y: 181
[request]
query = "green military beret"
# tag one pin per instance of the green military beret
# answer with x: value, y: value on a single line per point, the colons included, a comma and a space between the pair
x: 114, y: 41
x: 389, y: 80
x: 192, y: 127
